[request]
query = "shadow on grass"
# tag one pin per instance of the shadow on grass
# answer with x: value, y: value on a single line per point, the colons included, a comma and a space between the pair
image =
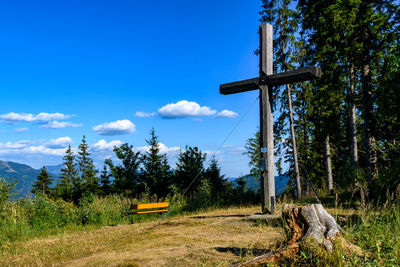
x: 242, y: 251
x: 219, y: 216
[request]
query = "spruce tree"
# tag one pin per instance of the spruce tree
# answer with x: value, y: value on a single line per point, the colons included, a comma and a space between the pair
x: 68, y: 176
x: 189, y: 170
x: 253, y: 151
x: 156, y: 172
x: 88, y: 182
x: 284, y: 20
x: 213, y: 175
x: 42, y: 184
x: 349, y: 41
x: 105, y: 181
x: 126, y: 175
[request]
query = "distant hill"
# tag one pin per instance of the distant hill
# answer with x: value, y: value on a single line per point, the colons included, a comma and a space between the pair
x: 24, y: 175
x: 253, y: 182
x: 54, y: 170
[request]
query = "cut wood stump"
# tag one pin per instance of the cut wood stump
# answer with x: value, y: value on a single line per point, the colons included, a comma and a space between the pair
x: 310, y: 224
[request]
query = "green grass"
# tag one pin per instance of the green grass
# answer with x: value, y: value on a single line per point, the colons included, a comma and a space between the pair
x: 41, y: 216
x: 375, y: 230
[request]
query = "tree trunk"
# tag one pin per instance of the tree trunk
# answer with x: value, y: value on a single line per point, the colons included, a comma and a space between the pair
x: 328, y: 164
x: 294, y: 146
x: 369, y: 138
x: 366, y: 80
x: 292, y: 133
x: 352, y: 120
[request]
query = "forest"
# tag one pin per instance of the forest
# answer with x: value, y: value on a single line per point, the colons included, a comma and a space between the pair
x: 139, y: 175
x: 340, y: 133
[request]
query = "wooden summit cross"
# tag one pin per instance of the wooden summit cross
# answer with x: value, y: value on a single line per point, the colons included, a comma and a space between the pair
x: 264, y: 82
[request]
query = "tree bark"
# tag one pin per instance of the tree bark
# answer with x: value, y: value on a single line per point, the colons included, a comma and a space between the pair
x: 366, y: 80
x: 294, y: 146
x: 292, y: 132
x: 369, y: 138
x: 352, y: 121
x: 328, y: 164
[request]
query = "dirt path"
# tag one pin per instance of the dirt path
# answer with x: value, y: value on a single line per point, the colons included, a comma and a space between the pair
x: 217, y: 238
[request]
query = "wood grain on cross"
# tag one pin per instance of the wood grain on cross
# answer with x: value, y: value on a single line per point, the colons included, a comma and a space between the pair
x: 264, y: 83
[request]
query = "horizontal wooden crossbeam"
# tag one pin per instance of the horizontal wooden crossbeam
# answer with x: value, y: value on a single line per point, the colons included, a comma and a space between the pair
x: 240, y: 86
x: 293, y: 76
x: 288, y: 77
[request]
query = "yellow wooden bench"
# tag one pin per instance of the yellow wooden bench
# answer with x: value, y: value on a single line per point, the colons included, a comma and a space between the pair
x: 149, y: 208
x: 145, y: 208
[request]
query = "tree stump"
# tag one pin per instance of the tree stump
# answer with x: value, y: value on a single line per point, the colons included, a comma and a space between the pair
x: 310, y: 223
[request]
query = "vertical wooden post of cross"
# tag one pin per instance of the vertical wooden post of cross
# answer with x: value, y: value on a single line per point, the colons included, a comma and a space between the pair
x: 264, y: 83
x: 266, y: 121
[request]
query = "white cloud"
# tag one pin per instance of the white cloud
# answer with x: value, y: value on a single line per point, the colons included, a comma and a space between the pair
x: 103, y: 145
x: 163, y: 149
x: 24, y: 129
x: 43, y: 116
x: 60, y: 124
x: 183, y: 109
x: 61, y: 142
x: 14, y: 145
x: 21, y: 148
x: 41, y: 149
x: 142, y: 114
x: 13, y: 117
x: 115, y: 128
x: 227, y: 114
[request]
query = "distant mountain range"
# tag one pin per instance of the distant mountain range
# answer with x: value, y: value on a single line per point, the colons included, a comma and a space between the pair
x: 24, y: 175
x: 253, y: 182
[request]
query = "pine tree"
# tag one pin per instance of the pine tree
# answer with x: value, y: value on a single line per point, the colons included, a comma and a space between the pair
x: 156, y: 172
x: 126, y: 175
x: 189, y: 170
x: 68, y: 176
x: 42, y: 185
x: 88, y: 180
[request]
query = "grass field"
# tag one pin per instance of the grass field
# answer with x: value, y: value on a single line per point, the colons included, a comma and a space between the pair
x: 214, y: 238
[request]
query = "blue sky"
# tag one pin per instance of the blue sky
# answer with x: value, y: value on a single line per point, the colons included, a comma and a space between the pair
x: 112, y: 70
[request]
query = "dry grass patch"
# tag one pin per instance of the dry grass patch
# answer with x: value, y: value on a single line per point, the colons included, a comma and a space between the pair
x: 216, y: 238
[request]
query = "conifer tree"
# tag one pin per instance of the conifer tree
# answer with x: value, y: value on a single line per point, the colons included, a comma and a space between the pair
x: 126, y: 175
x: 189, y: 170
x: 105, y: 181
x: 348, y: 40
x: 42, y: 184
x: 88, y: 180
x: 213, y: 175
x: 68, y: 176
x: 156, y: 172
x: 284, y: 20
x: 253, y: 151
